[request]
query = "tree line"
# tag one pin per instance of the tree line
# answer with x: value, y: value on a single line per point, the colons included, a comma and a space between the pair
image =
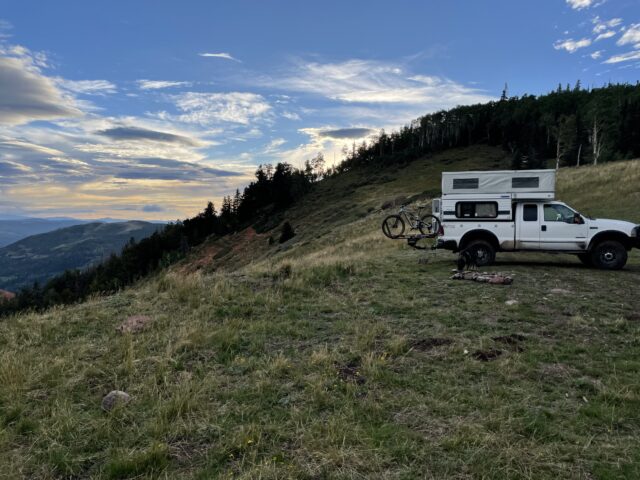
x: 572, y: 125
x: 273, y: 190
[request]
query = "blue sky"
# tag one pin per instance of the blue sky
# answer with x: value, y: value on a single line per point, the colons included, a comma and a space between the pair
x: 147, y: 109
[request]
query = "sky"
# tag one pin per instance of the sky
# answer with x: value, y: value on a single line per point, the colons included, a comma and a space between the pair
x: 148, y: 109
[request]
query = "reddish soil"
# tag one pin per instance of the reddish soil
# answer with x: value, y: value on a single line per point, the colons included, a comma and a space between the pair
x: 5, y: 295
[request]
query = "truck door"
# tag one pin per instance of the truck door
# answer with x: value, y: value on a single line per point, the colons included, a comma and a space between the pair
x: 528, y: 226
x: 562, y: 229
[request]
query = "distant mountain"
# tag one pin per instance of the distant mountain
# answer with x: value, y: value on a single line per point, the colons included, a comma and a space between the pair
x: 40, y: 257
x: 17, y: 228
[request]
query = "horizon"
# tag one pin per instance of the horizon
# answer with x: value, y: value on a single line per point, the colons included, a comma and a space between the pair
x: 151, y: 113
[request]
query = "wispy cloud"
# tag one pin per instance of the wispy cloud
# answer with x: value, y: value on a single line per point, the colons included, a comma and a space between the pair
x: 160, y: 84
x: 624, y: 57
x: 226, y: 56
x: 581, y: 4
x: 571, y: 45
x: 5, y: 28
x: 87, y: 87
x: 600, y: 25
x: 597, y: 54
x: 605, y: 35
x: 374, y: 82
x: 630, y: 36
x: 213, y: 108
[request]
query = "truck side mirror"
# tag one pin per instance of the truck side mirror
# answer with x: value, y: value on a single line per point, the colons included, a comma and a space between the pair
x: 577, y: 219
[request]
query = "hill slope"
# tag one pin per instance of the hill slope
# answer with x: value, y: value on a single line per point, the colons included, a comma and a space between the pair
x: 40, y: 257
x: 338, y: 355
x: 14, y: 229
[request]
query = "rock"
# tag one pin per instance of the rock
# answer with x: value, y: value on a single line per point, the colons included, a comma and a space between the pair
x: 134, y: 324
x: 113, y: 398
x: 511, y: 302
x: 560, y: 291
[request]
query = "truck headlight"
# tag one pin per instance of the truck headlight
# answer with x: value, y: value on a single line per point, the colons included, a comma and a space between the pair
x: 636, y: 232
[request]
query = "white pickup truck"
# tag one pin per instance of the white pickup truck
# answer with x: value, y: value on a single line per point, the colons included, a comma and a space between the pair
x: 510, y: 211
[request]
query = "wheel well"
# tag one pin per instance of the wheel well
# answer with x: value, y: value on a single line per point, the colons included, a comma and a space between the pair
x: 611, y: 235
x: 479, y: 235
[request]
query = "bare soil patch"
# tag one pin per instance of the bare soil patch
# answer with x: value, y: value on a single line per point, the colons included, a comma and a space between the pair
x: 487, y: 355
x: 429, y: 343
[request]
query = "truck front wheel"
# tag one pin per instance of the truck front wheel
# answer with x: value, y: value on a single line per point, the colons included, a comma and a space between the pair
x: 609, y: 255
x: 484, y: 252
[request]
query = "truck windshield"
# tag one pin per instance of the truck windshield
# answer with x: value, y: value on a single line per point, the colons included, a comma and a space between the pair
x: 554, y: 212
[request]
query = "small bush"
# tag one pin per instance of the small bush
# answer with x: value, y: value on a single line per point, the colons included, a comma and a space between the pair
x: 287, y: 232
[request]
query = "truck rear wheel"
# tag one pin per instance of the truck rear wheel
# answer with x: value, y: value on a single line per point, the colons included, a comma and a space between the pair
x: 484, y: 252
x: 609, y: 255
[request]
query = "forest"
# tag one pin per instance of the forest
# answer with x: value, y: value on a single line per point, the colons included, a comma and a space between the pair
x: 570, y: 126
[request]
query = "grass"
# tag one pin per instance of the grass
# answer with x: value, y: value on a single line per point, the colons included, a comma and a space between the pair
x: 317, y: 359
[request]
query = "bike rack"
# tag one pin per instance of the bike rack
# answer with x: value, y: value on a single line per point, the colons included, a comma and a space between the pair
x: 412, y: 240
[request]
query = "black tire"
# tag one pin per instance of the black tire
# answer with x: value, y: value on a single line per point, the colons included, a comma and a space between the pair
x: 585, y: 258
x: 484, y: 252
x: 609, y: 255
x: 393, y: 226
x: 429, y: 225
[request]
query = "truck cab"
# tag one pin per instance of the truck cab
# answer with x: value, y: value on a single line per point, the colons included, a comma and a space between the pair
x: 505, y: 215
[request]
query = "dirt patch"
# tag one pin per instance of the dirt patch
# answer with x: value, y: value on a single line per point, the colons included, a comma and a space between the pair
x: 350, y: 372
x: 134, y: 324
x: 486, y: 355
x: 513, y: 341
x: 429, y: 343
x: 633, y: 317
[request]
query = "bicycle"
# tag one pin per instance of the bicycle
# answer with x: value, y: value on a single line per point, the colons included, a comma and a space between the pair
x: 394, y: 226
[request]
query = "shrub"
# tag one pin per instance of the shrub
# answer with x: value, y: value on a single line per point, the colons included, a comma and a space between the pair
x: 287, y: 232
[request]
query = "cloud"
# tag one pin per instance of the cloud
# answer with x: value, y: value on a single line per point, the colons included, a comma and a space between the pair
x: 580, y: 4
x: 226, y: 56
x: 342, y: 133
x: 274, y: 144
x: 26, y: 94
x: 14, y: 143
x: 596, y: 55
x: 158, y: 84
x: 136, y: 133
x: 605, y: 35
x: 630, y: 36
x: 602, y: 25
x: 571, y: 45
x: 211, y: 108
x: 375, y: 82
x: 87, y: 87
x: 153, y: 208
x: 624, y: 57
x: 5, y: 27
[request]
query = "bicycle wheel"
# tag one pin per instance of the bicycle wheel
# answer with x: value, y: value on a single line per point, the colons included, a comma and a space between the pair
x: 393, y: 226
x: 429, y: 225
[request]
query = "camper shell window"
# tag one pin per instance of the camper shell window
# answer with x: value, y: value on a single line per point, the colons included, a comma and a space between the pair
x: 465, y: 183
x: 525, y: 182
x: 476, y: 209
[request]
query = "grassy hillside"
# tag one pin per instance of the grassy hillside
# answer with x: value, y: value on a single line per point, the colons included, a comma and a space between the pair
x: 14, y: 229
x: 40, y: 257
x: 339, y: 355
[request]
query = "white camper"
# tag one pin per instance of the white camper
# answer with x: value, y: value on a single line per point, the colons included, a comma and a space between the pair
x: 516, y: 210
